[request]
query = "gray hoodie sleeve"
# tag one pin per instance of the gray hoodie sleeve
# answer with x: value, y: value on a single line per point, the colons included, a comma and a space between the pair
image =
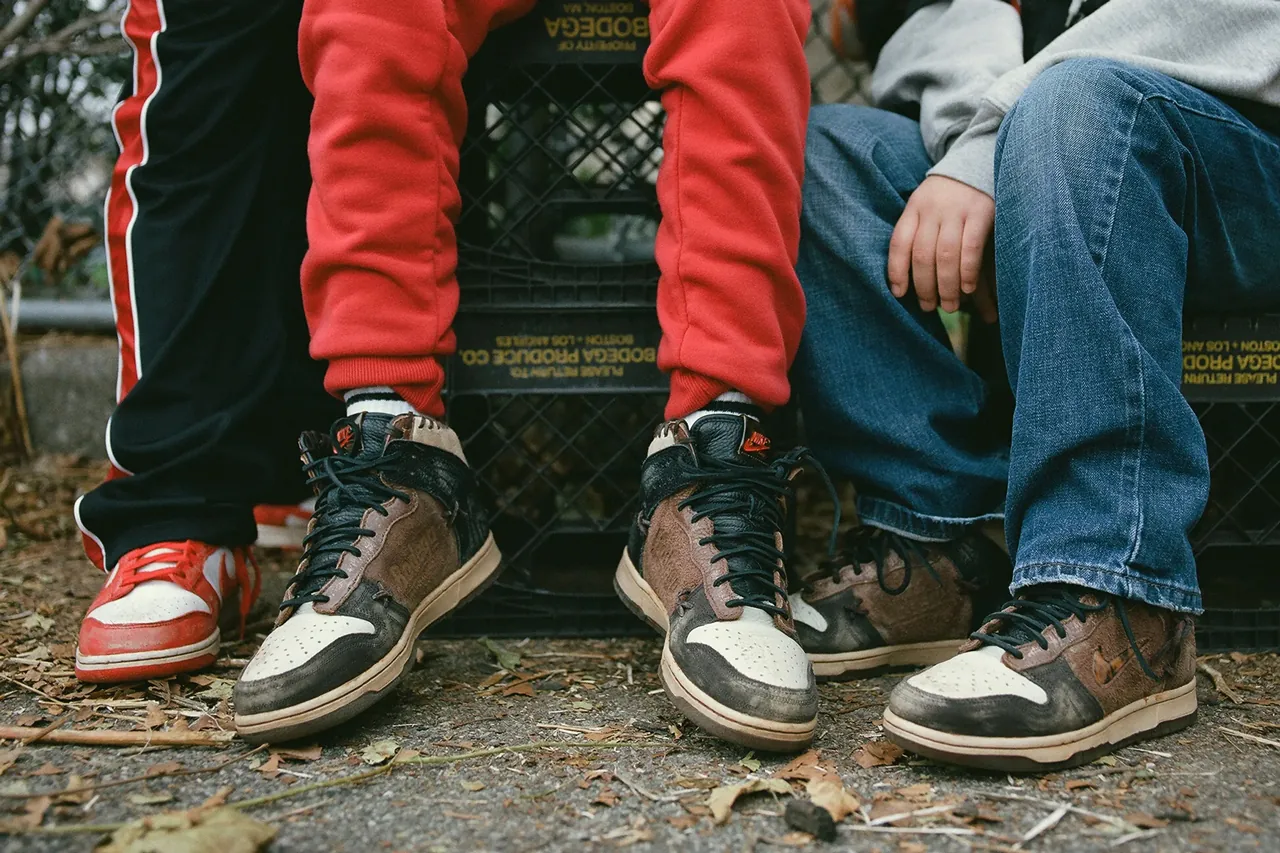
x: 1227, y: 47
x: 943, y: 60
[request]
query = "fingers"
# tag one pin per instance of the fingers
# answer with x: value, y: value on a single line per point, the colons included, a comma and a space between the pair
x: 924, y: 271
x: 973, y: 246
x: 950, y: 236
x: 904, y: 236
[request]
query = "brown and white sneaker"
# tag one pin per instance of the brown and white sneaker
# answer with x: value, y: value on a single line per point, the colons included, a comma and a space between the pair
x: 705, y: 566
x: 397, y: 542
x: 893, y: 601
x: 1060, y: 676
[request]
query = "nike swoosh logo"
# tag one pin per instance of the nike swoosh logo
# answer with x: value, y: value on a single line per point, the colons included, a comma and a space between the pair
x: 1105, y: 669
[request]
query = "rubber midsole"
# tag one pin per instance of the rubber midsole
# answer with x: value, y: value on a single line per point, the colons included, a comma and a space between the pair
x: 209, y: 645
x: 935, y: 651
x: 1134, y: 718
x: 385, y: 671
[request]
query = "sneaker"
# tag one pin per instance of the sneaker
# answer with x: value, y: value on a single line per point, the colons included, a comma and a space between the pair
x: 159, y: 612
x: 1059, y: 677
x: 283, y: 526
x: 897, y: 602
x: 705, y: 566
x: 397, y: 542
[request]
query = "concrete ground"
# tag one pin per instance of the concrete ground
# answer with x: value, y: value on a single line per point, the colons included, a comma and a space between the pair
x: 572, y: 745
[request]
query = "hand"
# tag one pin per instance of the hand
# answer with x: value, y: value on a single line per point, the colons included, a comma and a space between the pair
x: 940, y: 241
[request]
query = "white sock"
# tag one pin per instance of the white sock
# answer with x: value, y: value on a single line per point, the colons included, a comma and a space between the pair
x: 735, y: 397
x: 378, y: 399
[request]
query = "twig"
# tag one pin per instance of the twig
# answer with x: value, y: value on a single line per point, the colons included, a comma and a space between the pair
x: 1254, y: 738
x: 890, y: 818
x: 1049, y: 804
x: 436, y: 760
x: 358, y: 778
x: 1220, y: 682
x: 116, y: 738
x: 21, y: 23
x: 49, y: 729
x: 1134, y: 836
x: 910, y: 830
x: 648, y: 795
x: 135, y: 779
x: 63, y: 41
x: 15, y: 363
x: 1044, y: 826
x: 34, y: 690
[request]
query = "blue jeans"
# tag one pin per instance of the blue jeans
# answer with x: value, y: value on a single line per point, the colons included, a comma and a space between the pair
x: 1121, y: 195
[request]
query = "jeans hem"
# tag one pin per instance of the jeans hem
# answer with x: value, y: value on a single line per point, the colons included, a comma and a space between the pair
x: 896, y: 518
x: 1126, y: 583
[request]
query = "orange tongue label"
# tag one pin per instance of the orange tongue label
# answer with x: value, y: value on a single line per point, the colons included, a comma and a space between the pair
x: 756, y: 443
x: 345, y: 436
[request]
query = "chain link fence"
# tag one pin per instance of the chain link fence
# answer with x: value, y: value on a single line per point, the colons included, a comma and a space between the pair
x: 61, y: 67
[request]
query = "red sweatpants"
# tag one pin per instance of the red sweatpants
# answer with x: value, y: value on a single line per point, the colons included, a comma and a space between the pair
x: 378, y: 281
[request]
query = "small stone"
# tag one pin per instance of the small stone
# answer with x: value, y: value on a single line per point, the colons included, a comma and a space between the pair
x: 808, y: 816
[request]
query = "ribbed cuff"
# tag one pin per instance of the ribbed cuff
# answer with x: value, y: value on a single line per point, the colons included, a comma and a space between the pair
x: 690, y: 392
x: 417, y: 380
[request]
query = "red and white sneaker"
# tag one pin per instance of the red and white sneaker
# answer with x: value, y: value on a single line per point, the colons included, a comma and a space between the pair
x: 160, y: 610
x: 283, y: 526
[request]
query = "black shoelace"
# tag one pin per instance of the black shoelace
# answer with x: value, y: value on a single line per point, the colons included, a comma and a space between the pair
x: 1047, y: 606
x: 348, y: 486
x: 873, y: 546
x: 745, y: 502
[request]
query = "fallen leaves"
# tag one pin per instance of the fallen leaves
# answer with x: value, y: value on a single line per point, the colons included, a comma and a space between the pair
x: 506, y: 658
x: 380, y: 752
x: 1146, y: 821
x: 722, y: 799
x: 223, y: 830
x: 880, y: 753
x: 833, y: 796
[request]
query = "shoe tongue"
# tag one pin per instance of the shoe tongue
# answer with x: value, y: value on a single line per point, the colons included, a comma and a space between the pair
x: 361, y: 436
x: 1045, y: 594
x: 729, y: 436
x: 736, y: 437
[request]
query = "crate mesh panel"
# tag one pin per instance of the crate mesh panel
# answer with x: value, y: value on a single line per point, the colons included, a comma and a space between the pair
x: 1244, y: 458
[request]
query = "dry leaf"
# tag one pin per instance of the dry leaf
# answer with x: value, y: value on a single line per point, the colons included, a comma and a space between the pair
x: 793, y: 839
x: 524, y: 688
x: 380, y: 752
x: 1077, y: 784
x: 683, y: 821
x: 911, y: 847
x: 493, y: 679
x: 703, y: 783
x: 155, y: 717
x: 607, y: 797
x: 8, y: 758
x: 473, y: 786
x: 879, y: 753
x: 270, y: 768
x: 919, y: 791
x: 36, y: 625
x: 886, y: 805
x: 722, y: 799
x: 1241, y: 825
x: 834, y: 797
x: 73, y: 793
x: 46, y: 769
x: 224, y: 830
x: 299, y: 753
x: 150, y: 799
x: 803, y: 766
x: 219, y: 797
x: 506, y: 659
